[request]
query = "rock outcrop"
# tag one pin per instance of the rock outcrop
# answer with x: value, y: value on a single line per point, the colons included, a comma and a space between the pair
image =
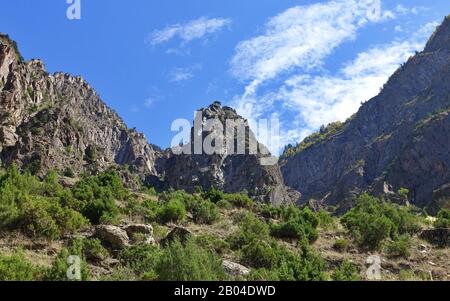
x: 57, y: 121
x: 253, y: 170
x: 400, y: 138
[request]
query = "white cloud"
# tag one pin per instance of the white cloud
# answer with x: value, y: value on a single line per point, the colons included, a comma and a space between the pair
x: 300, y: 37
x: 290, y: 56
x: 195, y: 29
x: 183, y: 74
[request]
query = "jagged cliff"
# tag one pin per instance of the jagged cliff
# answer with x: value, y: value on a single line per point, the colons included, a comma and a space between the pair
x: 231, y: 172
x: 57, y: 121
x: 400, y: 138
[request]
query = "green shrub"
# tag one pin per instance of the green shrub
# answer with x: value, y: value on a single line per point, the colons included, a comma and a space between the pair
x: 188, y: 262
x: 93, y: 249
x: 58, y: 270
x: 97, y: 195
x: 250, y: 228
x: 303, y: 265
x: 297, y: 224
x: 172, y: 211
x: 347, y: 271
x: 224, y: 205
x: 205, y: 212
x: 371, y: 221
x: 16, y: 268
x: 326, y: 221
x: 69, y: 173
x: 213, y: 195
x: 140, y: 259
x: 443, y: 219
x: 341, y: 245
x: 239, y: 200
x: 258, y: 254
x: 213, y: 243
x: 399, y: 247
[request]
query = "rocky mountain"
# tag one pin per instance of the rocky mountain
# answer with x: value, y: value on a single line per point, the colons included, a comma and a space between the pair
x: 57, y: 121
x: 232, y: 171
x: 400, y: 138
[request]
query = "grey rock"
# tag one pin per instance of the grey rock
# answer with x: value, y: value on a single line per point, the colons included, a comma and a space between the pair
x: 112, y: 236
x: 235, y: 269
x: 400, y: 138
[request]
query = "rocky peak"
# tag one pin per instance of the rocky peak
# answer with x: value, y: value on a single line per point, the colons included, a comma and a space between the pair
x: 57, y: 121
x: 232, y: 172
x: 399, y: 137
x: 440, y: 39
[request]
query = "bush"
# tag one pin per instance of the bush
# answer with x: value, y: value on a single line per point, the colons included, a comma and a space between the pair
x: 399, y: 247
x: 443, y: 219
x: 58, y: 270
x: 213, y: 195
x: 258, y: 254
x: 371, y: 221
x: 69, y: 173
x: 38, y: 208
x: 172, y: 211
x: 141, y: 259
x: 347, y: 271
x: 303, y: 265
x: 93, y: 250
x: 250, y: 228
x: 213, y: 243
x: 326, y: 221
x: 96, y: 197
x: 16, y: 268
x: 205, y: 212
x: 188, y: 262
x: 239, y: 200
x: 341, y: 245
x: 224, y: 205
x: 297, y: 224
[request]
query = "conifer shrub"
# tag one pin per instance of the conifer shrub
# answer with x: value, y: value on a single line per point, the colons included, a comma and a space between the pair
x: 16, y: 267
x: 347, y: 271
x: 372, y: 221
x: 189, y: 262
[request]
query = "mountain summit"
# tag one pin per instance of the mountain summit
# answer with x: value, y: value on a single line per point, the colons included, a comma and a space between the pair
x: 398, y: 139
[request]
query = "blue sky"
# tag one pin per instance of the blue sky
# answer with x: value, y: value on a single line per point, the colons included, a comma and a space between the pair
x: 307, y: 63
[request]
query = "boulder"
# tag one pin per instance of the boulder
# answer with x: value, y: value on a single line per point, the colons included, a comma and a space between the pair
x: 177, y: 233
x: 112, y: 236
x: 146, y: 230
x: 235, y: 269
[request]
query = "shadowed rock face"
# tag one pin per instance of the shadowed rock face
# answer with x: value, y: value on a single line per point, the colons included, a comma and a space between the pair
x: 58, y: 121
x: 400, y: 137
x: 230, y: 172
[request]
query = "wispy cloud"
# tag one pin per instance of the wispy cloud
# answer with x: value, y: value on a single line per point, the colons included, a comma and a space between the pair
x: 300, y: 37
x: 183, y: 74
x: 192, y: 30
x: 291, y: 54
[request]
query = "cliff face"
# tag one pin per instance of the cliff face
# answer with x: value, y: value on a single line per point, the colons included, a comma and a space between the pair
x: 59, y: 122
x: 231, y: 172
x: 400, y: 138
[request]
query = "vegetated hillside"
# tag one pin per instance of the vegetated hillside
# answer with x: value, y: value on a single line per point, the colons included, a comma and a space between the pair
x: 400, y: 138
x: 58, y: 122
x: 123, y: 235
